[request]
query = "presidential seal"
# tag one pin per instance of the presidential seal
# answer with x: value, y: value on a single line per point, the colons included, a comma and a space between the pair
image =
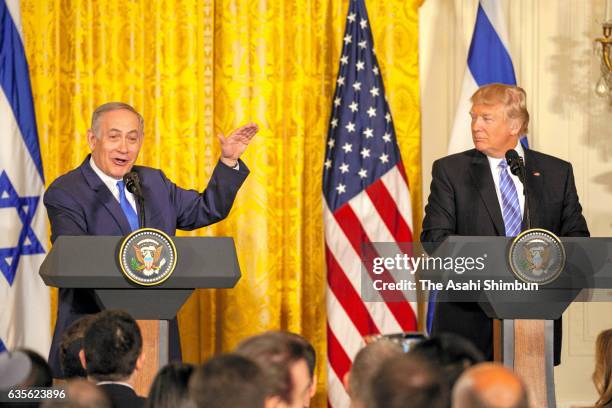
x: 537, y: 256
x: 147, y: 256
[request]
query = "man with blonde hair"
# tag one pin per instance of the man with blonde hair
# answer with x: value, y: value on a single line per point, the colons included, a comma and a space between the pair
x: 473, y: 193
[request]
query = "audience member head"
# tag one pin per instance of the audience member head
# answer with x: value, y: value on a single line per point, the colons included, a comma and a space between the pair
x: 15, y: 367
x: 40, y: 373
x: 409, y: 381
x: 228, y: 380
x: 112, y: 347
x: 170, y: 387
x: 311, y: 361
x: 358, y: 381
x: 489, y: 385
x: 602, y: 377
x: 284, y: 364
x: 452, y: 354
x: 79, y: 394
x: 71, y: 344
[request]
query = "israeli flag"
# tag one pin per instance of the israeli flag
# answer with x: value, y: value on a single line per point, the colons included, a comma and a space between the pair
x: 24, y: 299
x: 488, y: 61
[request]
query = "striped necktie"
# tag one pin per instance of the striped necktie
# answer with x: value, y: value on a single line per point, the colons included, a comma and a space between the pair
x: 511, y: 208
x: 129, y: 212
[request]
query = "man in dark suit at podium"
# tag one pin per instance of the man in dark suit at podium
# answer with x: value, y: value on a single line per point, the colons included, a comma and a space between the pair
x: 92, y: 199
x: 473, y: 193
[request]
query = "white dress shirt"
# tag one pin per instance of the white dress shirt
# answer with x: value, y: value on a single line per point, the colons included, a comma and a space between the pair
x: 111, y: 183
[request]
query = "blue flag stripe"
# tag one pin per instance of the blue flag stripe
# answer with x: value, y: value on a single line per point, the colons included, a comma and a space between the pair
x: 488, y: 59
x: 15, y: 82
x: 2, y: 346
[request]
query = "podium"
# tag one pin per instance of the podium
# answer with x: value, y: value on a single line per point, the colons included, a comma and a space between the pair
x: 526, y: 343
x: 91, y: 262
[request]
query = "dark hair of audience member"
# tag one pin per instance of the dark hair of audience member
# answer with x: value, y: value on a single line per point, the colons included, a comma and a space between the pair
x: 275, y: 352
x: 409, y: 381
x: 602, y: 377
x: 70, y: 345
x: 80, y: 393
x: 228, y: 380
x: 40, y: 374
x: 450, y: 352
x: 170, y: 389
x: 112, y: 344
x: 366, y: 364
x: 310, y: 354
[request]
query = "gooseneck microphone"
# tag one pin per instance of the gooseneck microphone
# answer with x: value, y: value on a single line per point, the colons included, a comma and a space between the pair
x: 517, y: 167
x: 132, y: 183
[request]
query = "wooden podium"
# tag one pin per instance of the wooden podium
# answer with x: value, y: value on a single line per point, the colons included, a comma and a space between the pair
x: 91, y: 262
x: 525, y: 336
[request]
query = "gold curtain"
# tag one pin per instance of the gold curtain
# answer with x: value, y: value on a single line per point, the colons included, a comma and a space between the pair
x: 198, y: 67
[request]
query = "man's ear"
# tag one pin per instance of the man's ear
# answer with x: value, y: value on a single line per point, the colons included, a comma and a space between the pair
x: 345, y: 381
x: 140, y: 361
x: 91, y: 139
x: 313, y: 386
x: 82, y: 359
x: 515, y: 127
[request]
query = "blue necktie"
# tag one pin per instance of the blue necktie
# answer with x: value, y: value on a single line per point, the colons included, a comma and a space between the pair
x: 511, y: 208
x: 129, y: 212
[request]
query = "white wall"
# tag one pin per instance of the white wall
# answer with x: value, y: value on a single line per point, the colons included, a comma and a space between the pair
x: 551, y: 44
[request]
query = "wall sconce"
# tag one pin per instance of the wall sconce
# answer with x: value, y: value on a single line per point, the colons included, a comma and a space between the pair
x: 604, y: 85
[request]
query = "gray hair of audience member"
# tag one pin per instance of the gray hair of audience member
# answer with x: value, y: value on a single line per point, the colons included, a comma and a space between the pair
x: 409, y: 382
x: 228, y: 380
x: 358, y: 381
x: 451, y: 353
x: 70, y: 344
x: 170, y: 389
x: 489, y: 385
x: 40, y: 373
x: 274, y: 352
x: 113, y: 106
x: 79, y: 394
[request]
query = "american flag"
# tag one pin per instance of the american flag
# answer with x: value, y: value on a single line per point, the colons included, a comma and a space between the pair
x: 366, y: 200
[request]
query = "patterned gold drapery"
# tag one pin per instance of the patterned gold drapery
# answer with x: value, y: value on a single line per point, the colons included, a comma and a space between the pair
x: 198, y: 67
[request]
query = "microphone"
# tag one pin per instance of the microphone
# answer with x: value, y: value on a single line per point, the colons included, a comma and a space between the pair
x: 517, y: 167
x: 516, y: 164
x: 132, y: 183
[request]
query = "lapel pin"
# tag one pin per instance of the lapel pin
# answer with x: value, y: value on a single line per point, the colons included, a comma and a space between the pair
x: 536, y: 173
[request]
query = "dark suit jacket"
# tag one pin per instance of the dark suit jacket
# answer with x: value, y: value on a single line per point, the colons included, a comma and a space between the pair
x: 122, y: 396
x: 79, y: 203
x: 463, y: 201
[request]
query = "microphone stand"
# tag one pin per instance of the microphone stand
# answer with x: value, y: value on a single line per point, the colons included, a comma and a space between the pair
x: 141, y: 211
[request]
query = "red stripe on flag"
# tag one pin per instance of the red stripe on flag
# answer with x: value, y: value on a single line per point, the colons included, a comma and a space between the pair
x: 337, y: 357
x: 395, y: 300
x: 348, y: 297
x: 388, y: 211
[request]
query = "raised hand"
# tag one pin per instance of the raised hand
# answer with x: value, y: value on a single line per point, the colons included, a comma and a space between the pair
x: 236, y: 143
